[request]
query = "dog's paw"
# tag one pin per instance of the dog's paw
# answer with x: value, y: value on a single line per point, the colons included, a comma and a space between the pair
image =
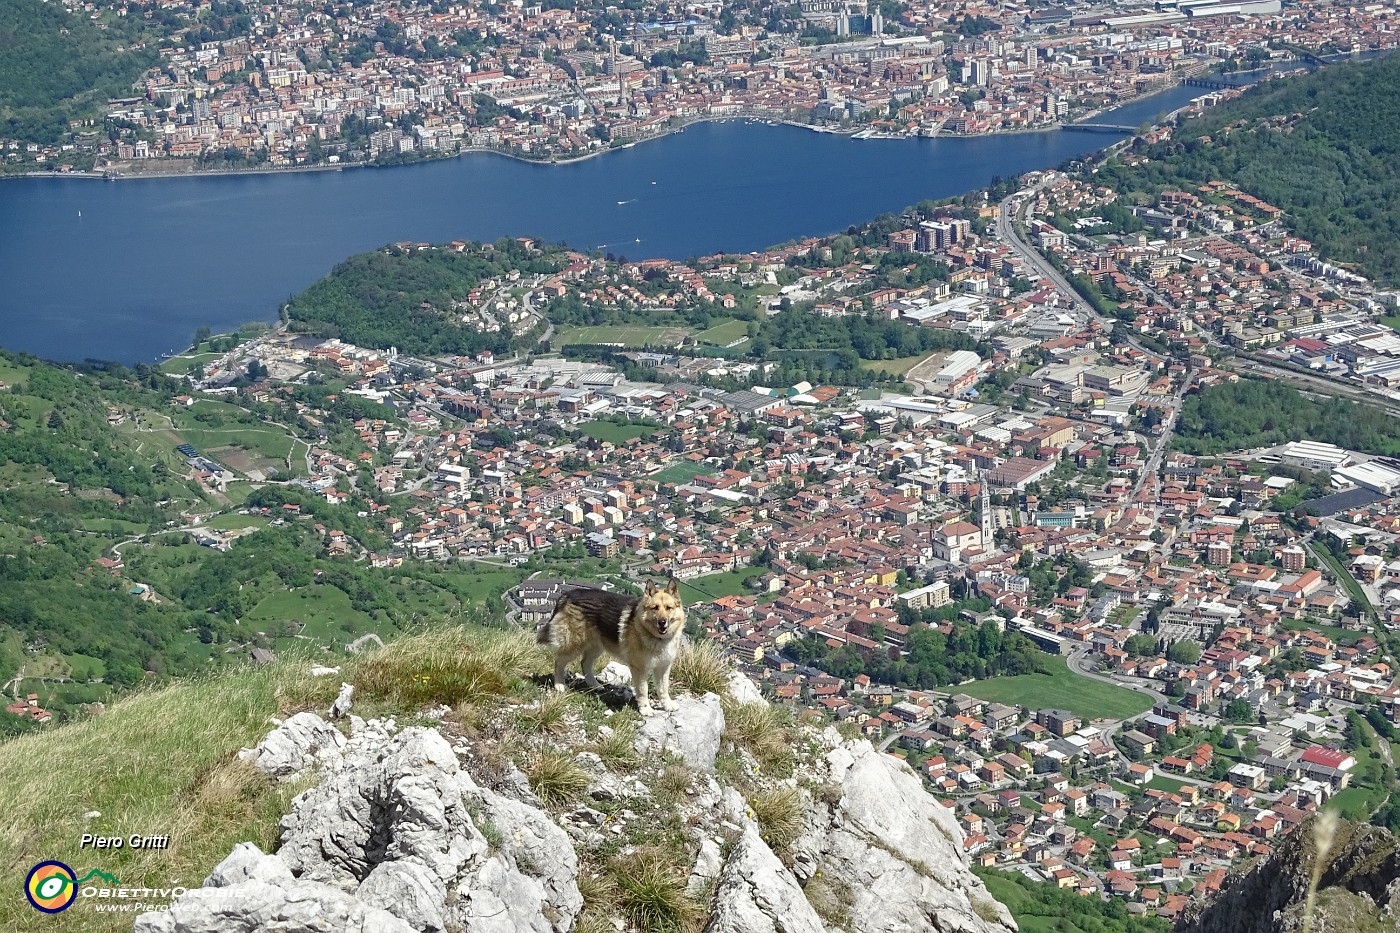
x: 647, y: 710
x: 670, y: 705
x: 559, y: 688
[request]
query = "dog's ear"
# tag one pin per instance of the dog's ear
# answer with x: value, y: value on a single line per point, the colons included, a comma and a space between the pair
x: 673, y: 587
x: 651, y: 587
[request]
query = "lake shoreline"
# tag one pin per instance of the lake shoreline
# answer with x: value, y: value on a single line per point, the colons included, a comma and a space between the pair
x: 848, y: 132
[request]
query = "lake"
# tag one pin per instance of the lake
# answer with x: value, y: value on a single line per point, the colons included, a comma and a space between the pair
x: 127, y: 270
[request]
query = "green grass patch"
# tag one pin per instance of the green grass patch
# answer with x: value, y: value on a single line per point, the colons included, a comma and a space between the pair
x: 234, y: 520
x: 13, y: 375
x: 180, y: 365
x: 616, y: 433
x: 1342, y: 636
x: 164, y: 761
x: 112, y: 526
x: 477, y: 585
x: 1163, y: 783
x: 628, y: 335
x: 324, y: 613
x: 729, y: 583
x: 1060, y: 688
x: 895, y: 367
x: 725, y: 333
x: 682, y: 472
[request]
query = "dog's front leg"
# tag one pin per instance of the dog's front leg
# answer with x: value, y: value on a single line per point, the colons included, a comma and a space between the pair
x: 663, y: 689
x: 639, y: 687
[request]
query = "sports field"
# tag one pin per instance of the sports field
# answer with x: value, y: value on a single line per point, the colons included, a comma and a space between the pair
x: 1061, y: 689
x: 628, y: 335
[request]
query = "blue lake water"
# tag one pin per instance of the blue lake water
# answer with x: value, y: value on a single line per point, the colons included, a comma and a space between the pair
x: 127, y: 270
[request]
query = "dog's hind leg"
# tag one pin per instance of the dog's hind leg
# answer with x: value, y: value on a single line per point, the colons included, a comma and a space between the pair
x: 590, y: 658
x: 562, y: 660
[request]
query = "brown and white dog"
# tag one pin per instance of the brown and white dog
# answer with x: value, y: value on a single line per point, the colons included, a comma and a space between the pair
x: 640, y: 631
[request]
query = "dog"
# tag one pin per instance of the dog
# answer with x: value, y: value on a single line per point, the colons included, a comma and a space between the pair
x: 640, y: 631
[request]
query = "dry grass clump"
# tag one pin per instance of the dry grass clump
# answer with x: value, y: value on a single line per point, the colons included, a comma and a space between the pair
x: 600, y: 902
x: 556, y: 778
x: 700, y: 669
x: 550, y: 715
x: 764, y: 732
x: 617, y: 748
x: 779, y: 812
x: 651, y: 891
x: 447, y: 667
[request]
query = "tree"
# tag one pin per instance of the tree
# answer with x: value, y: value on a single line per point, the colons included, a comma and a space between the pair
x: 1184, y: 652
x: 1238, y: 711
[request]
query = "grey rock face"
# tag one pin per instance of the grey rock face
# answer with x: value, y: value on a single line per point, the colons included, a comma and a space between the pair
x: 294, y: 746
x: 692, y: 731
x: 389, y: 842
x: 892, y: 854
x: 250, y: 892
x: 757, y: 894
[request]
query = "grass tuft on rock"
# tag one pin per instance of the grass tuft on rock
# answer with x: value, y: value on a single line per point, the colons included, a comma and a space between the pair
x: 651, y: 891
x: 556, y: 778
x: 779, y: 812
x: 700, y: 669
x: 765, y: 733
x: 550, y: 715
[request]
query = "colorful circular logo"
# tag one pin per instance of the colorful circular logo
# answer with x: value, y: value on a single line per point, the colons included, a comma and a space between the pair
x: 51, y: 887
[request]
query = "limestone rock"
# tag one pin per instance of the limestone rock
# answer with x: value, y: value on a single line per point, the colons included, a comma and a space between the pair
x: 757, y: 894
x: 890, y: 853
x: 341, y: 706
x: 744, y: 691
x: 250, y: 892
x: 692, y: 731
x: 294, y: 746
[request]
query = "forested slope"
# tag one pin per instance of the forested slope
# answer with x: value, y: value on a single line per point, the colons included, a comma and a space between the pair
x: 1324, y: 147
x: 55, y: 67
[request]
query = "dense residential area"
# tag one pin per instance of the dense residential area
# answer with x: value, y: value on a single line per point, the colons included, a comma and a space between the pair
x: 1126, y: 632
x: 239, y: 85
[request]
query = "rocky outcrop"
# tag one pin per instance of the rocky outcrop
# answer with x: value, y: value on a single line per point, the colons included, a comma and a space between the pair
x: 405, y: 830
x: 394, y: 830
x: 294, y: 746
x: 895, y: 851
x: 1358, y: 886
x: 693, y: 732
x: 755, y: 893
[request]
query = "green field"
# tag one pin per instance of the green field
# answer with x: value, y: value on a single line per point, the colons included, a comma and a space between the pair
x: 234, y: 520
x: 180, y: 365
x: 724, y: 333
x: 1061, y: 689
x: 324, y: 611
x: 729, y: 583
x: 1342, y: 636
x: 629, y: 335
x: 895, y: 367
x: 13, y: 375
x: 616, y: 433
x: 1168, y: 784
x: 681, y: 472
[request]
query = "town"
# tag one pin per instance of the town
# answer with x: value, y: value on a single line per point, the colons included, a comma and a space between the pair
x: 286, y: 85
x: 1124, y: 665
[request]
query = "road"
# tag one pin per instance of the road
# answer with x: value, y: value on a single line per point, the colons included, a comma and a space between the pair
x: 1008, y: 214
